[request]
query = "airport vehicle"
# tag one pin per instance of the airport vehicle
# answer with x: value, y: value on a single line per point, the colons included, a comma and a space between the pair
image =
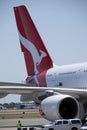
x: 71, y: 124
x: 84, y: 127
x: 61, y: 91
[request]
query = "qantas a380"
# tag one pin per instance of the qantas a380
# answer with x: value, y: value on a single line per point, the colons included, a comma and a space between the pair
x: 61, y: 91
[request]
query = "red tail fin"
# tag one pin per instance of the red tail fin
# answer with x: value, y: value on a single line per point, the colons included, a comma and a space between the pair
x: 36, y: 55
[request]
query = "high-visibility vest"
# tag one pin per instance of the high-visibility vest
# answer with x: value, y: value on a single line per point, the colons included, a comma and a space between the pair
x: 19, y: 125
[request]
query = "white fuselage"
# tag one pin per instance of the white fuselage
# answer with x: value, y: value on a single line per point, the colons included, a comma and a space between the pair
x: 68, y: 76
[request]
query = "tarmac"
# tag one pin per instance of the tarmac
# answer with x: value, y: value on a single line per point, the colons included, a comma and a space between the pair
x: 10, y: 124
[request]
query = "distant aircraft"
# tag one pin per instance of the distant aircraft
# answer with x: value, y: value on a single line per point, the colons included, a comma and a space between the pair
x: 61, y: 91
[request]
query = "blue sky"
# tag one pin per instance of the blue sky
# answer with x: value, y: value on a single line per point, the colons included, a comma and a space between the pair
x: 62, y: 25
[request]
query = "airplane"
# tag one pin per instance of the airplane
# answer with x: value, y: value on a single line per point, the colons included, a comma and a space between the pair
x: 60, y: 91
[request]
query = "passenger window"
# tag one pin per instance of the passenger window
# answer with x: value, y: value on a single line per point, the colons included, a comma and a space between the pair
x: 58, y: 123
x: 75, y: 121
x: 65, y: 122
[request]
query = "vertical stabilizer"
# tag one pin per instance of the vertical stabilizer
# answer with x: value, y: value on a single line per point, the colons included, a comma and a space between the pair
x: 36, y: 56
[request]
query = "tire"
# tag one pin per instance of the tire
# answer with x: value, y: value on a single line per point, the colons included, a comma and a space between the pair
x: 50, y: 129
x: 24, y: 128
x: 74, y: 128
x: 31, y: 128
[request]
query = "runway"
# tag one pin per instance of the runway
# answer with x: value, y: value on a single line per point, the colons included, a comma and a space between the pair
x: 10, y: 124
x: 28, y: 118
x: 21, y: 113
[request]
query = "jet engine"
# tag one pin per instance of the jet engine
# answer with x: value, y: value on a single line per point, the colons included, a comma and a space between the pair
x: 59, y: 107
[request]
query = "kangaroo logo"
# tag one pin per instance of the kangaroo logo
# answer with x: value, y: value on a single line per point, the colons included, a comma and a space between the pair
x: 37, y: 58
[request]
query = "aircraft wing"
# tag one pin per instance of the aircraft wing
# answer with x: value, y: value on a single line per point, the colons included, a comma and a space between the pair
x: 22, y: 90
x: 12, y: 84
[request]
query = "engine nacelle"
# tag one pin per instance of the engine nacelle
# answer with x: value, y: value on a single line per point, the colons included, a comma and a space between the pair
x: 59, y: 107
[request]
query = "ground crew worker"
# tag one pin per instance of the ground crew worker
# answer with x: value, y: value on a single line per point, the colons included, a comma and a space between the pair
x: 19, y: 125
